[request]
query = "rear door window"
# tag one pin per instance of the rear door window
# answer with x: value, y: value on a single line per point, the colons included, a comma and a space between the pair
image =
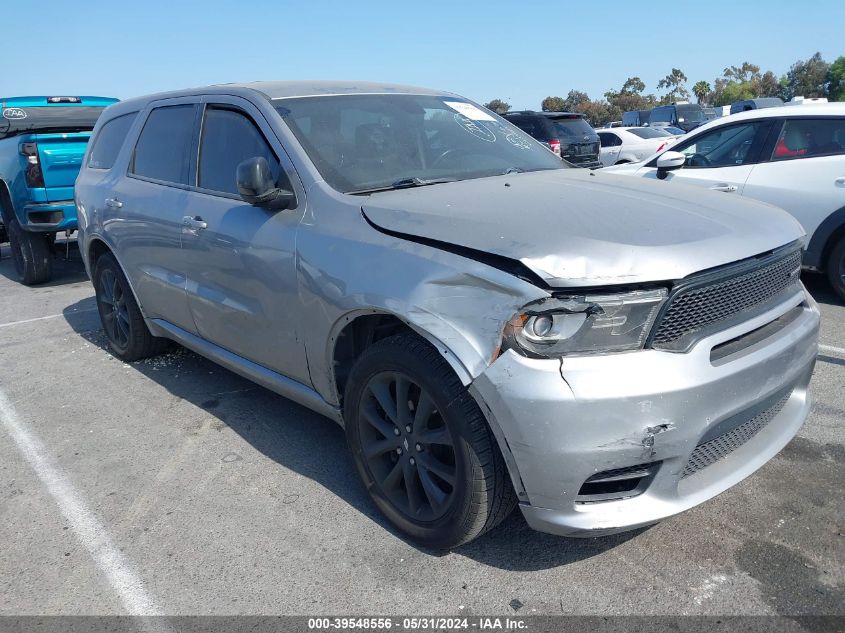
x: 109, y: 140
x: 163, y: 151
x: 230, y: 137
x: 608, y: 139
x: 805, y: 138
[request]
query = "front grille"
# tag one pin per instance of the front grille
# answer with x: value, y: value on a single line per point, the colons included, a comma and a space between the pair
x: 698, y: 309
x: 712, y: 450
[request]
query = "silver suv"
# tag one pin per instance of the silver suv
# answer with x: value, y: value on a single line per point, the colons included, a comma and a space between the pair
x: 490, y: 326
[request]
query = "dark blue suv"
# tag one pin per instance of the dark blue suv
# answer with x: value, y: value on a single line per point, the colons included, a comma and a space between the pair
x: 42, y: 142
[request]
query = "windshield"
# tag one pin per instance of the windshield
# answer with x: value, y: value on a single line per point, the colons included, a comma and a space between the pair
x: 690, y: 113
x: 649, y: 132
x: 22, y: 120
x: 364, y: 142
x: 570, y: 127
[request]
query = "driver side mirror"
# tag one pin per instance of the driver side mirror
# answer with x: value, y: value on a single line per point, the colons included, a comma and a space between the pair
x: 257, y: 187
x: 669, y: 161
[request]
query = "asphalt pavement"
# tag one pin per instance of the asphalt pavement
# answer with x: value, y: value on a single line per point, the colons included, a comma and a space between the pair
x: 173, y: 486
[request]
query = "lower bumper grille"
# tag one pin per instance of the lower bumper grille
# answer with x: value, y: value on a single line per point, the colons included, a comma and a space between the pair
x: 619, y: 483
x: 712, y: 450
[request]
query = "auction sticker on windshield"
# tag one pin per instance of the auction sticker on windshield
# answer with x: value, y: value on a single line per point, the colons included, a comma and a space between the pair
x: 469, y: 111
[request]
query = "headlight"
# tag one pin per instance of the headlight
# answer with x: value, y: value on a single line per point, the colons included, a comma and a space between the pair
x: 587, y: 324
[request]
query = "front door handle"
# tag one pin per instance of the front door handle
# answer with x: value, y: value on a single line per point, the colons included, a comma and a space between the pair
x: 113, y: 203
x: 725, y: 188
x: 840, y: 181
x: 196, y: 223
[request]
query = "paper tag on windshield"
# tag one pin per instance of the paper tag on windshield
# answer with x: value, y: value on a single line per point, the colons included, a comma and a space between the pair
x: 469, y: 111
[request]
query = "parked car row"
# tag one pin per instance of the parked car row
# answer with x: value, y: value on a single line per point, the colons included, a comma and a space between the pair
x: 793, y: 158
x: 492, y: 327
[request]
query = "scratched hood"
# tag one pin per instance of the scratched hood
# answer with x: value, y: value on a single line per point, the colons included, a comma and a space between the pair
x: 574, y: 227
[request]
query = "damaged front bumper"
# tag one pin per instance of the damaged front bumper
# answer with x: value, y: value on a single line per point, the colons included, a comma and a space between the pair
x: 654, y: 432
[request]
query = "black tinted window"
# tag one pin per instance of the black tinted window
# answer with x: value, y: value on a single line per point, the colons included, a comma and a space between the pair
x: 572, y: 126
x: 608, y: 139
x: 109, y: 140
x: 164, y: 148
x: 229, y: 138
x: 14, y: 120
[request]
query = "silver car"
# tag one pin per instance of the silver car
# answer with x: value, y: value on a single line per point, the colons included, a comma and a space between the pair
x: 491, y: 327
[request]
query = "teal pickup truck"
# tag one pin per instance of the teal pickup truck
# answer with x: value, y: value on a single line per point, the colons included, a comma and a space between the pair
x: 42, y: 142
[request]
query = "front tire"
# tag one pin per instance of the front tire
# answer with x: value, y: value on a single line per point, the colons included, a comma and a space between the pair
x: 31, y: 253
x: 836, y: 268
x: 127, y: 333
x: 422, y: 445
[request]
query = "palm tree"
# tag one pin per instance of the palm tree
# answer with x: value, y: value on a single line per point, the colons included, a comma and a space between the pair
x: 701, y: 89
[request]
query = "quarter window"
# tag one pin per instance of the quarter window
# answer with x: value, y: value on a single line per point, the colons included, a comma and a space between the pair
x: 163, y: 150
x: 228, y: 138
x: 805, y: 138
x: 725, y: 146
x: 109, y: 140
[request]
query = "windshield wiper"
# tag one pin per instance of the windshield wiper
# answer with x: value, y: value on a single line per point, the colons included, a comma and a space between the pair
x: 405, y: 183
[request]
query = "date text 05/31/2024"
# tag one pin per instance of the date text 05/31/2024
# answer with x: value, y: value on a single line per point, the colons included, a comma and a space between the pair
x: 417, y: 624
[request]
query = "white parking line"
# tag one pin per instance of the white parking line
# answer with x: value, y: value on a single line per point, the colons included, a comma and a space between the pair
x: 84, y: 524
x: 44, y: 318
x: 831, y: 349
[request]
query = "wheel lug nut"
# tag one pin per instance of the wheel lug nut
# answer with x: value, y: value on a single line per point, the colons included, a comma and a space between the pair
x: 418, y: 447
x: 413, y: 461
x: 398, y: 451
x: 408, y: 428
x: 395, y: 430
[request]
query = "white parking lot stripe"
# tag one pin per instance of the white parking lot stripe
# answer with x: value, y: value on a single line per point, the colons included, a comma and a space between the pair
x: 84, y: 524
x: 44, y: 318
x: 832, y: 350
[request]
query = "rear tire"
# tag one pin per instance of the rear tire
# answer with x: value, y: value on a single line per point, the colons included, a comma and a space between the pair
x: 422, y: 446
x: 128, y: 335
x: 31, y: 253
x: 836, y: 268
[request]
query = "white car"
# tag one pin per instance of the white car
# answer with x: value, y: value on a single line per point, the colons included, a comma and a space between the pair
x: 631, y: 144
x: 793, y: 158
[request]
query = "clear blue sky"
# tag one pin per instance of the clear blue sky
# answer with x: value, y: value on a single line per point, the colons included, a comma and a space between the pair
x: 519, y: 51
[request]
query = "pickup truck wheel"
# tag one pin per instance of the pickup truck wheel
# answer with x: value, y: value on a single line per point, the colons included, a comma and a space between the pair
x: 422, y: 445
x: 128, y: 335
x: 836, y: 268
x: 31, y: 254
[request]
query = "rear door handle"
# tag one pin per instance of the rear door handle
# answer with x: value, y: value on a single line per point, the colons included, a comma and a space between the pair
x: 113, y: 203
x: 840, y: 180
x: 726, y: 188
x: 196, y: 222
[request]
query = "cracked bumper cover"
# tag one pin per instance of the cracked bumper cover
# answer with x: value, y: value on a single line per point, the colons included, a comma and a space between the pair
x: 559, y: 422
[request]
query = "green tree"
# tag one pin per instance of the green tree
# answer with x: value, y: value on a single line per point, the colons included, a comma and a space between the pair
x: 675, y: 85
x: 633, y: 85
x: 630, y: 97
x: 806, y: 78
x: 498, y: 106
x: 574, y: 99
x: 742, y: 74
x: 599, y: 113
x: 553, y: 104
x: 701, y: 89
x: 768, y: 85
x: 836, y: 80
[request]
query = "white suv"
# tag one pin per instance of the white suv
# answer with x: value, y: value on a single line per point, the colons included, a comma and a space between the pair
x: 791, y: 157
